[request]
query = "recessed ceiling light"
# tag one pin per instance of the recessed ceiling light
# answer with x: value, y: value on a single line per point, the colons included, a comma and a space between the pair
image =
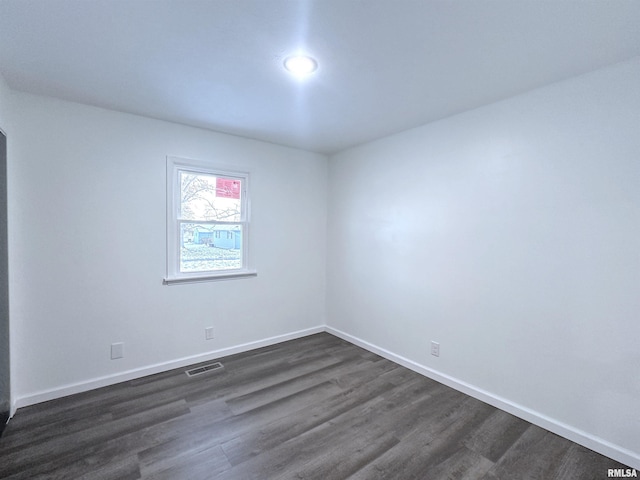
x: 300, y: 65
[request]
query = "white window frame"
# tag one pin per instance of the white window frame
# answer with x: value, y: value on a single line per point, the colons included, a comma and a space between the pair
x: 175, y: 165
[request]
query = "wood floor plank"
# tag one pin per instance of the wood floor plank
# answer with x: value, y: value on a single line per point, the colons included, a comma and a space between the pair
x: 355, y: 430
x: 432, y: 441
x: 341, y: 460
x: 109, y: 460
x: 252, y: 443
x: 462, y: 464
x: 200, y: 464
x: 378, y: 430
x: 17, y: 459
x: 537, y: 454
x: 580, y: 462
x: 228, y: 382
x: 285, y: 388
x: 235, y: 383
x: 496, y: 435
x: 122, y: 467
x: 214, y: 433
x: 65, y: 426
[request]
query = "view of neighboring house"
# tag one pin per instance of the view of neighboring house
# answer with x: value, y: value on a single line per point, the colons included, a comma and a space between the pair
x: 216, y: 237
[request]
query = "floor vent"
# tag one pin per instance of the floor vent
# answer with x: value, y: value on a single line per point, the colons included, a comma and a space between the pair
x: 204, y: 369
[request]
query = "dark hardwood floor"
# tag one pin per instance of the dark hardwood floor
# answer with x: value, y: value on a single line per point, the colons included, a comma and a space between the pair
x: 312, y: 408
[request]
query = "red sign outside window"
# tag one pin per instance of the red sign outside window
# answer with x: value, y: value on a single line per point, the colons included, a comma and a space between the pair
x: 227, y: 188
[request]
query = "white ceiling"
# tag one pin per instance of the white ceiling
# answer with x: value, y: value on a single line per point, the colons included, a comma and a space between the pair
x: 385, y: 65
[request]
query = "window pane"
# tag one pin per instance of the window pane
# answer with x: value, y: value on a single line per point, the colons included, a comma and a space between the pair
x: 205, y: 248
x: 210, y: 197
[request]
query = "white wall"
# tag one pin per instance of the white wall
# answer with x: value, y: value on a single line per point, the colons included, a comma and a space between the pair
x: 511, y: 235
x: 87, y: 240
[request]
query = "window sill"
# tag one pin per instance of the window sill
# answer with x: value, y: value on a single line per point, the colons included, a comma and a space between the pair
x: 210, y: 278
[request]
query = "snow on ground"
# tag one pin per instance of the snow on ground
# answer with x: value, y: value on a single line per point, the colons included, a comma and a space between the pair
x: 199, y: 257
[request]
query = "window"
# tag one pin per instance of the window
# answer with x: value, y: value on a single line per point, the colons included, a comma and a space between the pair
x: 207, y: 222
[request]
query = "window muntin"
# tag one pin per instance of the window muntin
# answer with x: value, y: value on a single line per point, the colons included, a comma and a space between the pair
x: 207, y: 222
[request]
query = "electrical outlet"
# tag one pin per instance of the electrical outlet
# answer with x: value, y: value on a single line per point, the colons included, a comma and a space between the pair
x: 117, y: 350
x: 208, y: 333
x: 435, y: 349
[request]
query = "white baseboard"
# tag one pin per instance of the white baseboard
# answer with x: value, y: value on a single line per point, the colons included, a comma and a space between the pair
x: 107, y: 380
x: 632, y: 459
